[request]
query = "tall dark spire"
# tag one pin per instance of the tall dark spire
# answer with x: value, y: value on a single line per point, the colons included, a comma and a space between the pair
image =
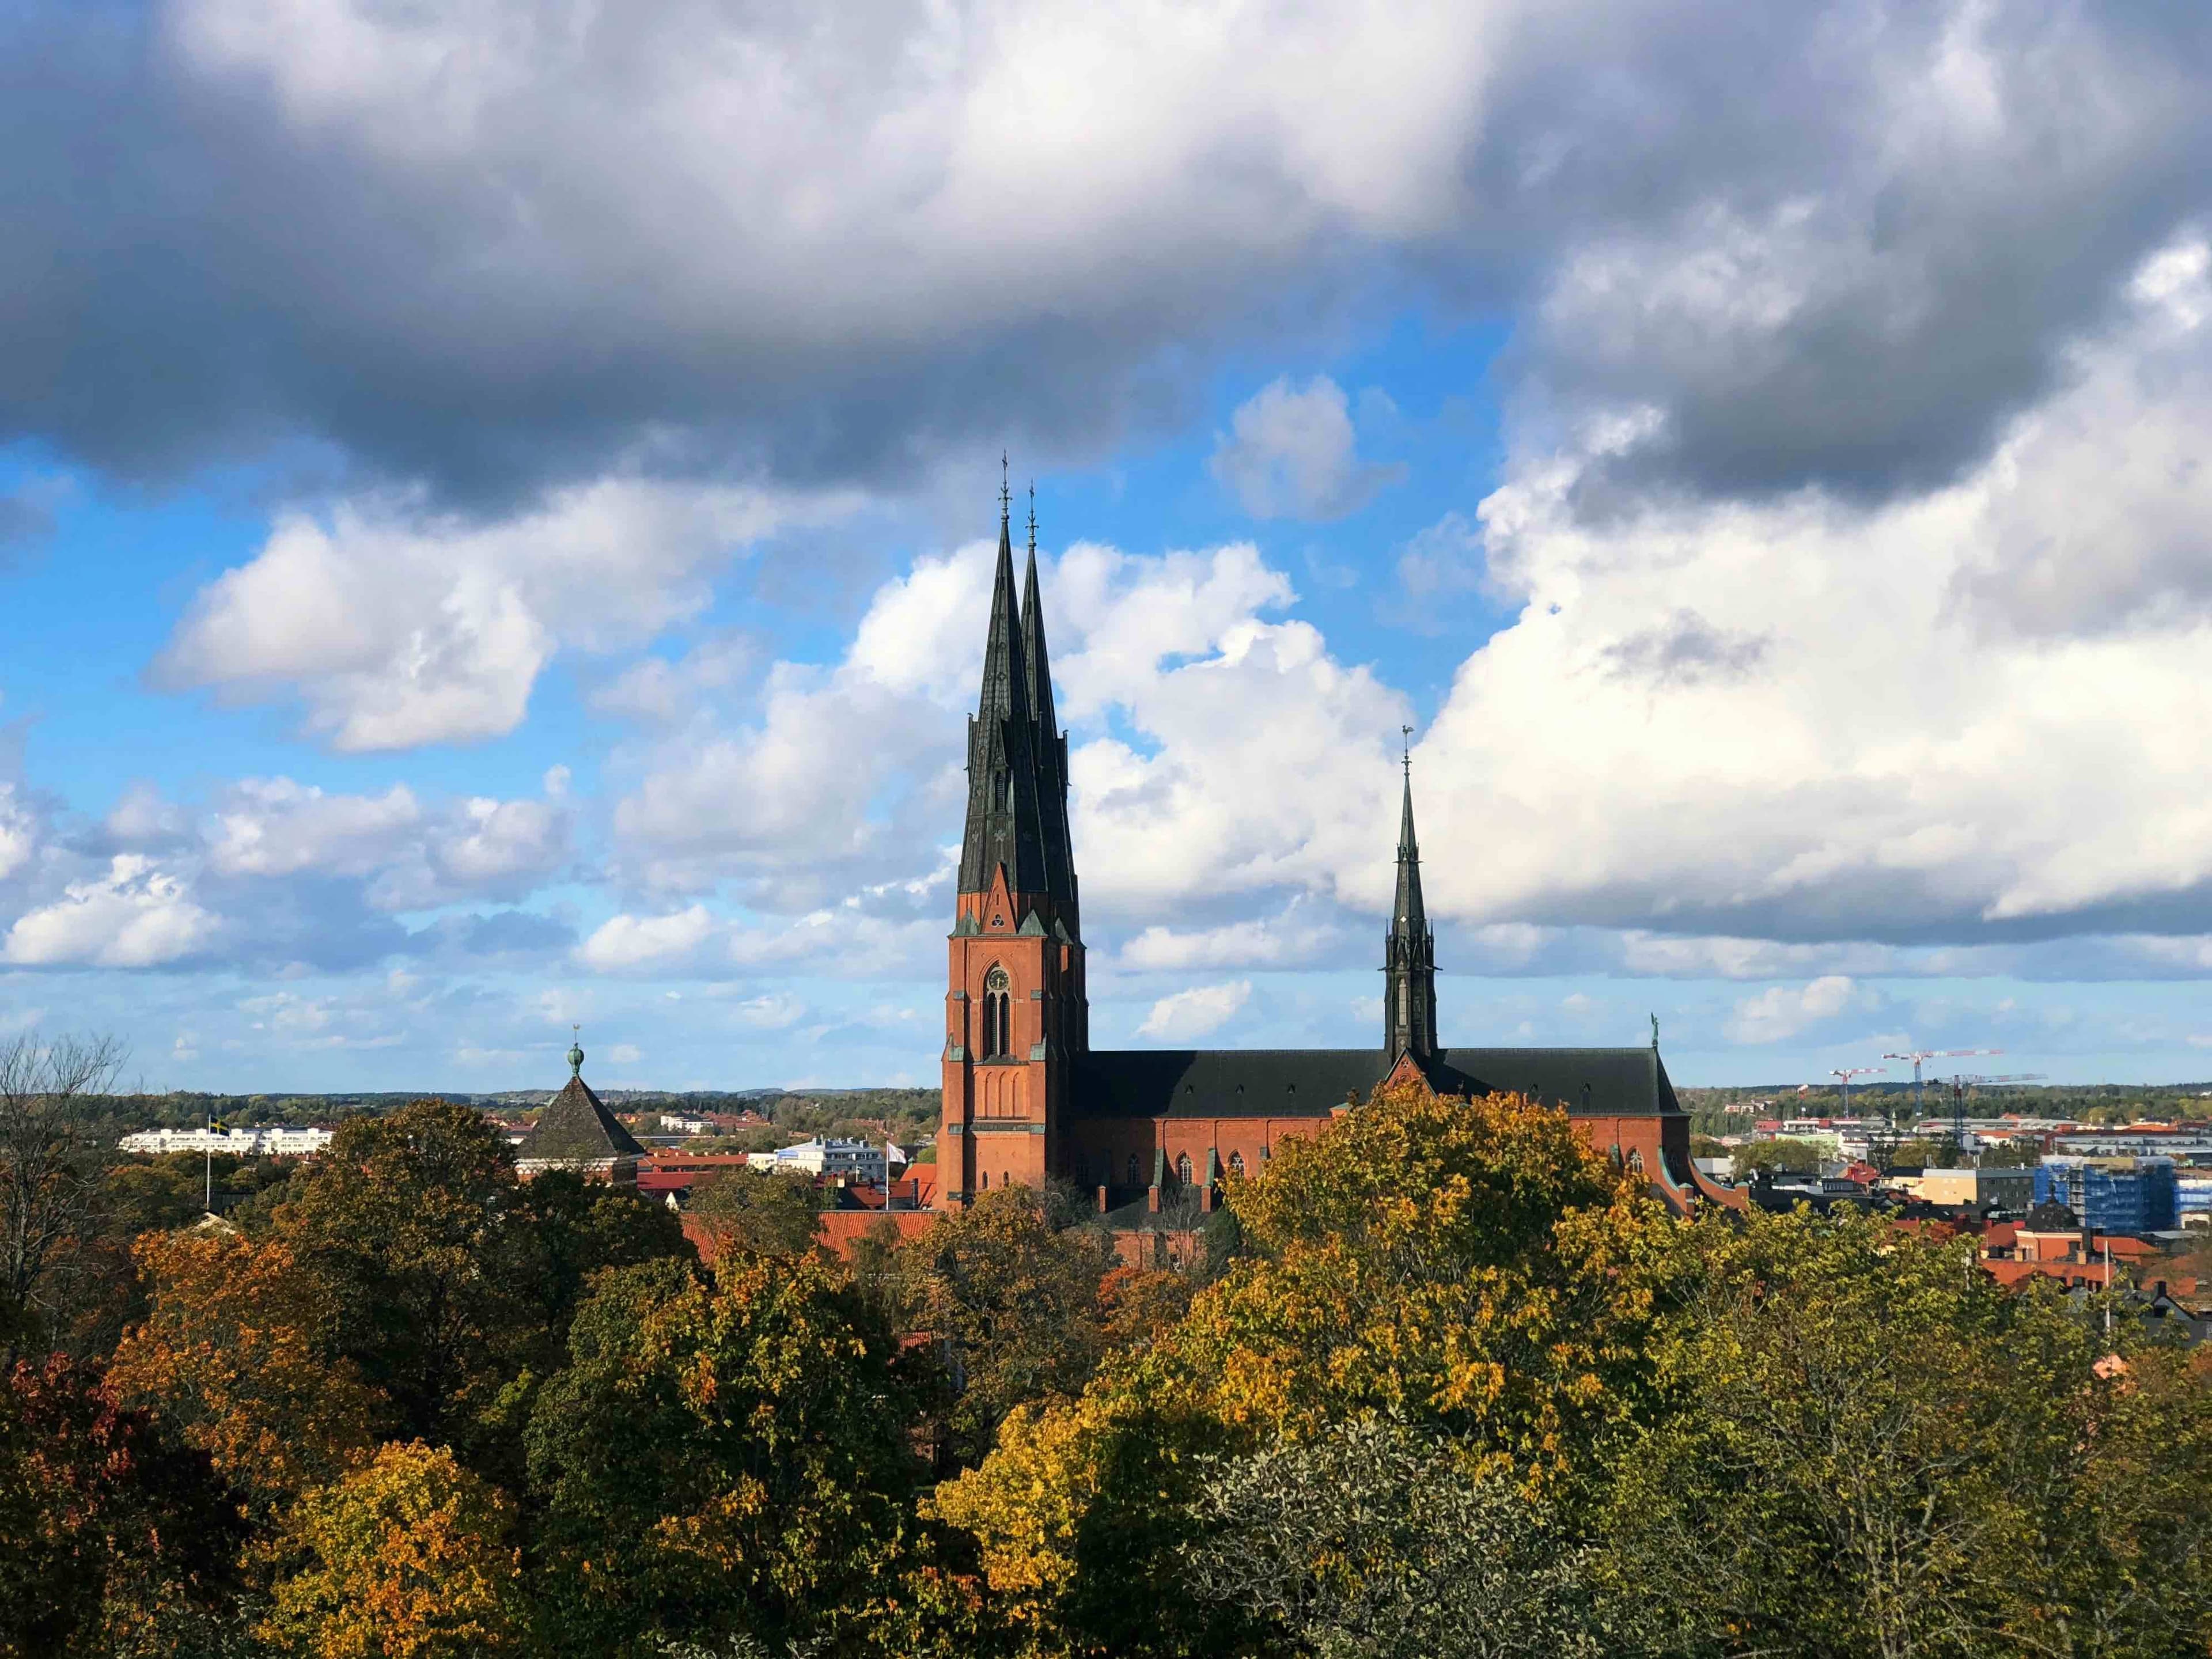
x: 1409, y: 954
x: 1048, y: 741
x: 1005, y: 812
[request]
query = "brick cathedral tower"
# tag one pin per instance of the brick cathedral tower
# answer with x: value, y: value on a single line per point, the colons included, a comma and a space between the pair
x: 1015, y: 1010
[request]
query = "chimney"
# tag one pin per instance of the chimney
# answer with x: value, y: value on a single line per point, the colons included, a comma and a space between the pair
x: 1101, y: 1200
x: 1152, y: 1198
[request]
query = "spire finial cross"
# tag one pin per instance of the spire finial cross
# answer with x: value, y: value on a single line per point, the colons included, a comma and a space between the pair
x: 1006, y: 495
x: 575, y: 1051
x: 1032, y: 517
x: 1405, y: 746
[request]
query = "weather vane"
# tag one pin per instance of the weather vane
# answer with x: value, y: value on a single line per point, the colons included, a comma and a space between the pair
x: 1032, y: 515
x: 575, y: 1051
x: 1655, y: 1030
x: 1405, y: 746
x: 1006, y: 495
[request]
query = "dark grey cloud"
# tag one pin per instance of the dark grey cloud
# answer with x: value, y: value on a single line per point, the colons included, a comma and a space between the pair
x: 1685, y: 650
x: 1830, y: 245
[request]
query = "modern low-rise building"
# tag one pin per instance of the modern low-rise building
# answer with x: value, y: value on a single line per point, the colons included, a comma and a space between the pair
x: 2135, y: 1195
x: 2001, y: 1192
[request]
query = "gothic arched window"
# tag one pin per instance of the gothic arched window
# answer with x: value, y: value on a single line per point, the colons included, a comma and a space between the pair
x: 998, y: 1014
x: 1236, y: 1165
x: 1636, y: 1163
x: 1182, y: 1168
x: 1132, y: 1169
x: 986, y: 1181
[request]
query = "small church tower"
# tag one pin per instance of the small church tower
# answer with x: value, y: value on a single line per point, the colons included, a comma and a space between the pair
x: 1409, y: 955
x: 1015, y: 1008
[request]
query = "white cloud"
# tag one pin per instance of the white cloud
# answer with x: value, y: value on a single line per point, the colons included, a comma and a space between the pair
x: 136, y: 915
x: 658, y: 690
x: 18, y: 833
x: 1295, y: 937
x: 1191, y: 1014
x: 773, y: 1010
x: 1783, y: 1011
x: 1915, y: 747
x: 399, y: 626
x: 276, y: 827
x: 627, y: 941
x: 1293, y: 453
x: 625, y: 1054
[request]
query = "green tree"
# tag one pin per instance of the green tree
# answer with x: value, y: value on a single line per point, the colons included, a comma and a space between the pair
x: 454, y: 1281
x: 1378, y: 1542
x: 1015, y: 1299
x: 1797, y: 1156
x: 1870, y: 1448
x: 753, y: 1210
x: 717, y: 1458
x: 404, y: 1219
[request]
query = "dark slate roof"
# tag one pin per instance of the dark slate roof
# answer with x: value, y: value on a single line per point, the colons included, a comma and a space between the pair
x: 1311, y: 1082
x: 575, y: 1125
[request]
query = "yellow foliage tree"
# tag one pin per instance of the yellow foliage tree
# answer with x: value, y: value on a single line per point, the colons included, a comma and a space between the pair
x: 407, y: 1558
x: 1471, y: 1266
x: 233, y: 1353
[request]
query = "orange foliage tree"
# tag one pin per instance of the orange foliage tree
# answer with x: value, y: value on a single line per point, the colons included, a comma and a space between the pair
x: 407, y: 1558
x: 234, y: 1351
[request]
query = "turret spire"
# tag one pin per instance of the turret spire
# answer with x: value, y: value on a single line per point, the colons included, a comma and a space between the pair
x: 1409, y: 960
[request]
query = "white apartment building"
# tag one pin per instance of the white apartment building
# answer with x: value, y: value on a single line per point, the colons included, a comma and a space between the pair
x: 282, y: 1141
x: 845, y: 1160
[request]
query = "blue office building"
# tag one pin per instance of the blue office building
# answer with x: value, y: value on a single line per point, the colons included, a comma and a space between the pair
x: 2114, y: 1194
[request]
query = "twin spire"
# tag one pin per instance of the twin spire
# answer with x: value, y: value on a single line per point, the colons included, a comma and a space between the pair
x: 1017, y: 754
x: 1018, y: 801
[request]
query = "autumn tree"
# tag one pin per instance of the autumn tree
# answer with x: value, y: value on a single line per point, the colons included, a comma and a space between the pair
x: 113, y: 1539
x: 239, y: 1352
x: 411, y: 1557
x: 719, y: 1456
x: 51, y: 1154
x: 1470, y: 1267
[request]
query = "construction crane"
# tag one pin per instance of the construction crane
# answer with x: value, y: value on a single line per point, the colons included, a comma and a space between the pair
x: 1961, y: 1085
x: 1845, y: 1077
x: 1918, y: 1106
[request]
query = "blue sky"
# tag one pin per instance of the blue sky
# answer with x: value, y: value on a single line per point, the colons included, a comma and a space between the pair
x: 494, y: 512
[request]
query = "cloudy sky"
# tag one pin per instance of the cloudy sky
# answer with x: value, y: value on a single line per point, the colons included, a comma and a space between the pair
x: 495, y: 501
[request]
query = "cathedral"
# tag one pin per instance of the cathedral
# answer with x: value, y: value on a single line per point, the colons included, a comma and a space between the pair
x: 1155, y: 1131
